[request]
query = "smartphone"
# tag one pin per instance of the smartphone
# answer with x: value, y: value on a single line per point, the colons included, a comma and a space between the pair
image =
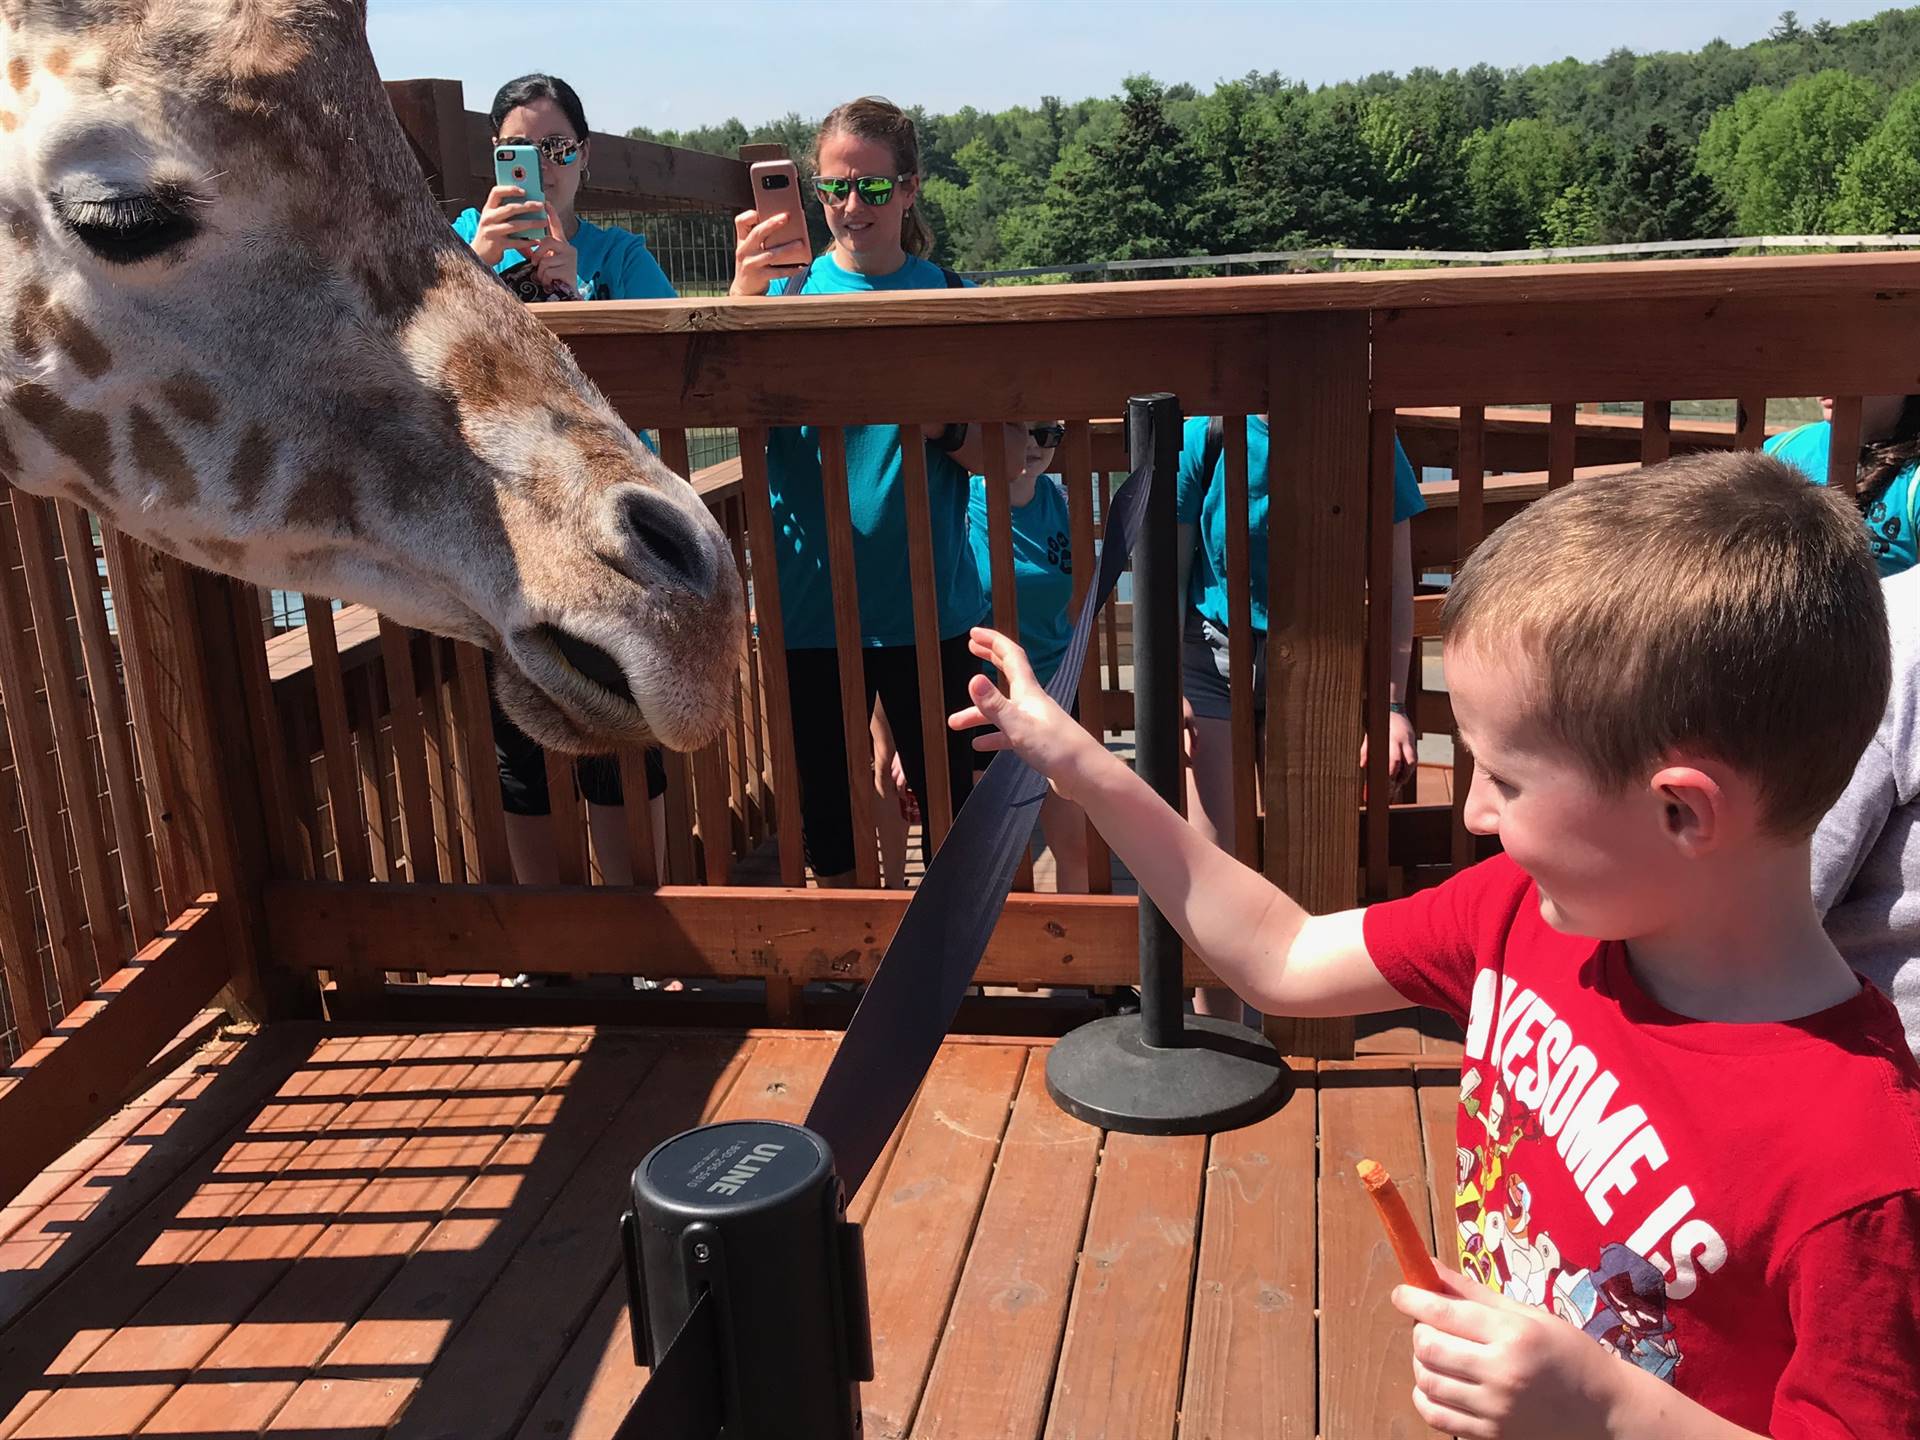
x: 520, y: 165
x: 776, y: 191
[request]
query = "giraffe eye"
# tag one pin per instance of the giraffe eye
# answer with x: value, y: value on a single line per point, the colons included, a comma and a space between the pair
x: 126, y: 229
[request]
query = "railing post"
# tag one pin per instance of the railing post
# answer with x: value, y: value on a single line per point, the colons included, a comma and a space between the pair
x: 433, y: 116
x: 1317, y: 398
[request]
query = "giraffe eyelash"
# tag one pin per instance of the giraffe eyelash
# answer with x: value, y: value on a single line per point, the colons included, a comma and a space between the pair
x: 126, y: 229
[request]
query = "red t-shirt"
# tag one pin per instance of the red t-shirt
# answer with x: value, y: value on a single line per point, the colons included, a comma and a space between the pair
x: 1735, y: 1208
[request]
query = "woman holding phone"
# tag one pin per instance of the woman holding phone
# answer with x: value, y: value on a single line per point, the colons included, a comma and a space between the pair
x: 867, y: 176
x: 574, y: 260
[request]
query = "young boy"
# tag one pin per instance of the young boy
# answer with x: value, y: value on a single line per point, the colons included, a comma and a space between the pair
x: 1689, y: 1136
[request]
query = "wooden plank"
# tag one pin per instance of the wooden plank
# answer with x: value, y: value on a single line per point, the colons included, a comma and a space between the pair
x: 1251, y: 1363
x: 1736, y: 344
x: 28, y: 732
x: 999, y: 487
x: 269, y: 743
x: 1560, y: 447
x: 19, y: 941
x: 1843, y: 445
x: 773, y: 649
x: 679, y: 798
x: 639, y: 817
x: 918, y: 1234
x: 410, y: 753
x: 1656, y: 431
x: 937, y: 810
x: 1472, y: 529
x: 854, y: 712
x: 1010, y: 1309
x: 1367, y: 1111
x: 493, y: 1371
x: 336, y: 740
x: 76, y: 1075
x: 375, y: 767
x: 73, y: 750
x: 1075, y: 462
x: 565, y: 820
x: 1438, y: 1096
x: 248, y: 1375
x: 1379, y: 653
x: 710, y: 787
x: 479, y: 774
x: 1751, y: 424
x: 1120, y: 1362
x: 1242, y: 732
x: 74, y: 1322
x: 1317, y: 497
x: 247, y: 1256
x: 692, y: 930
x: 436, y: 723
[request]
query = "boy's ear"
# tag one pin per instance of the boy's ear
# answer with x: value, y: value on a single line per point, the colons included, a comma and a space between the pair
x: 1695, y: 807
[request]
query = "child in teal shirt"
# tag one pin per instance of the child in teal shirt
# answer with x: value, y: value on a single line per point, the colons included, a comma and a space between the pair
x: 1889, y: 472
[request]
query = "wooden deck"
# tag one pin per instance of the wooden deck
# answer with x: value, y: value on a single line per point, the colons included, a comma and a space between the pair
x: 342, y: 1235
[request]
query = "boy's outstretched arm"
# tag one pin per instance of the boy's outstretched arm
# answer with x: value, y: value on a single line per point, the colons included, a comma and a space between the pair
x: 1276, y: 956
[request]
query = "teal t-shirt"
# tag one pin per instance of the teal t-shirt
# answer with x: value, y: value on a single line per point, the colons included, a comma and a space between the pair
x: 1202, y: 503
x: 1042, y: 568
x: 1890, y: 519
x: 879, y: 505
x: 615, y: 264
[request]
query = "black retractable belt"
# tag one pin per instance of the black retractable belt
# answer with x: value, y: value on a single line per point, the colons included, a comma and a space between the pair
x: 747, y: 1284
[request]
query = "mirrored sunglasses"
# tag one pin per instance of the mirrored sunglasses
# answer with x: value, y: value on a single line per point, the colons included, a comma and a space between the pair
x: 873, y: 189
x: 557, y: 148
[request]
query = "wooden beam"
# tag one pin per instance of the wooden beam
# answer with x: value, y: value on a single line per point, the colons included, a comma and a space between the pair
x: 687, y: 930
x: 79, y: 1072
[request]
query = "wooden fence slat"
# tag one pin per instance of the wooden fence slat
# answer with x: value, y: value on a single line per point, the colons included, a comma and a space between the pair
x: 479, y: 773
x: 1560, y: 444
x: 452, y: 818
x: 854, y: 712
x: 639, y: 817
x: 1120, y: 1362
x: 343, y: 790
x: 1250, y: 1351
x: 999, y: 487
x: 410, y: 753
x: 1843, y: 446
x: 916, y: 1242
x: 27, y: 729
x: 269, y: 743
x: 110, y: 717
x: 716, y: 818
x: 60, y: 667
x: 1656, y: 431
x: 1242, y: 730
x: 1379, y: 647
x: 937, y: 806
x: 1010, y: 1309
x: 565, y: 819
x: 1471, y: 527
x: 733, y: 521
x: 773, y: 649
x: 679, y: 798
x: 1317, y: 498
x: 375, y: 767
x: 19, y: 941
x: 1750, y: 423
x: 1075, y: 460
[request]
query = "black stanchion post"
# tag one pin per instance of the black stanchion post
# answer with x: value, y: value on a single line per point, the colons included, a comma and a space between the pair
x: 1153, y: 430
x: 1162, y: 1071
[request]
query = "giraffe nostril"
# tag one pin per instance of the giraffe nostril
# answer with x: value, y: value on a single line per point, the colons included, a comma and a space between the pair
x: 590, y: 660
x: 658, y: 528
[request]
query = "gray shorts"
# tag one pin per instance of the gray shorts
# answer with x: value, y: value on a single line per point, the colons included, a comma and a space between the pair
x: 1204, y: 672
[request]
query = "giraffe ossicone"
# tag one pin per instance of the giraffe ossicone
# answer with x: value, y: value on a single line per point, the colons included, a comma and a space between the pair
x: 239, y: 328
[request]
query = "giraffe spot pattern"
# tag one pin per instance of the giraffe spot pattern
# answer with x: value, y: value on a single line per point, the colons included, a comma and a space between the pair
x: 157, y: 454
x: 323, y: 500
x: 81, y: 435
x: 252, y: 467
x: 192, y: 400
x: 224, y: 554
x: 19, y: 72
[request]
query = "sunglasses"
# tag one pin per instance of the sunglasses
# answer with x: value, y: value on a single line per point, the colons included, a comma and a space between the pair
x: 557, y: 148
x: 873, y: 189
x: 1047, y: 437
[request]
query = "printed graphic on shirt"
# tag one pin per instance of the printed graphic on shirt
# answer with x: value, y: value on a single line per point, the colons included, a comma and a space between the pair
x: 1541, y: 1113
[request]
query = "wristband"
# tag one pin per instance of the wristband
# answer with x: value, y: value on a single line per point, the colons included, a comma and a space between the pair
x: 1394, y: 707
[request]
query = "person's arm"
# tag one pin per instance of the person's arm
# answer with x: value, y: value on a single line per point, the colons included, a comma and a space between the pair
x: 756, y: 268
x: 1848, y: 831
x: 1275, y: 955
x: 971, y: 454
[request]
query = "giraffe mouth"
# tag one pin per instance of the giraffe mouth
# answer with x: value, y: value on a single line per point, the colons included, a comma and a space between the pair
x: 590, y: 662
x: 568, y: 693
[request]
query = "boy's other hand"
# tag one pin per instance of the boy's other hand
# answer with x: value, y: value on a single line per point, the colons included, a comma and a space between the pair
x: 1485, y: 1366
x: 1025, y: 718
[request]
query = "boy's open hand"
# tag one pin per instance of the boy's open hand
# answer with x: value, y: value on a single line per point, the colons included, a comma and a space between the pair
x: 1485, y: 1366
x: 1025, y: 719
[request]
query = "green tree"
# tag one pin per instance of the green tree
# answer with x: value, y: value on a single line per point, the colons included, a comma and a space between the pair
x: 1788, y: 28
x: 1880, y: 186
x: 1778, y: 158
x: 1514, y: 172
x: 1128, y: 194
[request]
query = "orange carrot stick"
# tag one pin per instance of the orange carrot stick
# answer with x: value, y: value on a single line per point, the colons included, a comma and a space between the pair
x: 1416, y: 1265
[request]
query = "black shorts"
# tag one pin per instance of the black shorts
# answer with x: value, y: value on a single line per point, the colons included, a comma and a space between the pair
x: 523, y: 771
x: 820, y: 744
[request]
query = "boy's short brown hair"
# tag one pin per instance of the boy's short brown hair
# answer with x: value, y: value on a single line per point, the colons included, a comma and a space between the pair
x: 1716, y: 604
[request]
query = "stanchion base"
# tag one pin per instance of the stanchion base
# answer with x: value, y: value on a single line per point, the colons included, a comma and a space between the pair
x: 1224, y: 1076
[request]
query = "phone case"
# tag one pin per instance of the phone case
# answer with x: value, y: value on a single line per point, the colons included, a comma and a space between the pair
x: 520, y: 165
x: 776, y: 189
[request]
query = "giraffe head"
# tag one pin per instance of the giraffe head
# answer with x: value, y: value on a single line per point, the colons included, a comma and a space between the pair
x: 237, y: 326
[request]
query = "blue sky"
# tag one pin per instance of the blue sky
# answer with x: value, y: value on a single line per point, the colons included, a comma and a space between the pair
x: 675, y: 64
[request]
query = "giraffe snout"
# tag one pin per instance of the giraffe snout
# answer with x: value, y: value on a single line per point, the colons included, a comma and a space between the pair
x: 667, y: 539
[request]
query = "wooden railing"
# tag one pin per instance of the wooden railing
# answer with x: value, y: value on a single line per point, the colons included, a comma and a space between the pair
x: 220, y: 767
